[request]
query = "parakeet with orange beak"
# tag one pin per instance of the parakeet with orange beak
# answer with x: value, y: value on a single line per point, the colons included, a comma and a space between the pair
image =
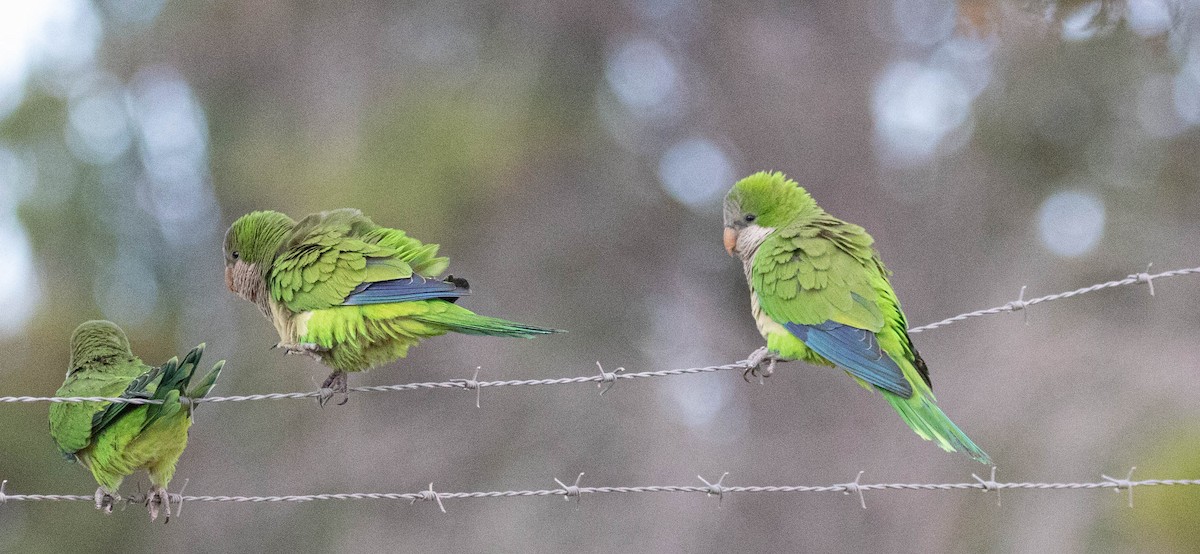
x: 348, y: 292
x: 820, y: 294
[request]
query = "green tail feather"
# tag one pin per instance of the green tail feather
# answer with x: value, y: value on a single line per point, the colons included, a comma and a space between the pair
x: 928, y: 421
x: 468, y: 323
x: 206, y: 384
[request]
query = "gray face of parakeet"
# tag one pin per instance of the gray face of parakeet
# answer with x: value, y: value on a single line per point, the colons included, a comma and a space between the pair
x: 248, y: 253
x: 743, y: 234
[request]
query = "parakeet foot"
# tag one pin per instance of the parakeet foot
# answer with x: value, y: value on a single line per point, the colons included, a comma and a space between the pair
x: 335, y: 384
x: 312, y: 349
x: 756, y: 368
x: 105, y: 500
x: 158, y: 499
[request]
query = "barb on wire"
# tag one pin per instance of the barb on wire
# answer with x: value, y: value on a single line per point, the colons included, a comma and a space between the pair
x: 856, y: 487
x: 1020, y: 303
x: 610, y: 378
x: 991, y: 484
x: 576, y: 491
x: 571, y: 490
x: 715, y: 488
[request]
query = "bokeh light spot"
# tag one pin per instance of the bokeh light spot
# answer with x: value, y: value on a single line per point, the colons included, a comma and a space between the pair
x: 695, y: 172
x: 641, y: 73
x: 915, y: 108
x: 1071, y: 222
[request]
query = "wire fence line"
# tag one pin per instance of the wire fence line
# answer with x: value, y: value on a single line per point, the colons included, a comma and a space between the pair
x: 567, y: 492
x: 1020, y: 303
x: 606, y: 379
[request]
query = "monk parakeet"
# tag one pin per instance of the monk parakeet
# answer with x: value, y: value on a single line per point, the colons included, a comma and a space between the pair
x: 113, y: 440
x: 819, y: 293
x: 348, y: 292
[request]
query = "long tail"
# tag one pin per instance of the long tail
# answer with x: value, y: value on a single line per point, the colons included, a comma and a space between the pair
x: 462, y: 320
x: 928, y: 421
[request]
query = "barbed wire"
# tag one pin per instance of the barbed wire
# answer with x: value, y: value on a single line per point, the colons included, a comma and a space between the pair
x: 567, y: 492
x: 1020, y: 303
x: 610, y: 378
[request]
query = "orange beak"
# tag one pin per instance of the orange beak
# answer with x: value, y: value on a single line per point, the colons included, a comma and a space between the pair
x: 731, y: 236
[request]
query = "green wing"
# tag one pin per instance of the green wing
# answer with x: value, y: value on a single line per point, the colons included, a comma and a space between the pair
x: 74, y: 425
x: 331, y: 254
x: 823, y: 283
x: 816, y: 272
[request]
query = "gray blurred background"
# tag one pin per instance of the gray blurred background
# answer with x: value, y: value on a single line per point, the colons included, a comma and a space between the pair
x: 570, y: 158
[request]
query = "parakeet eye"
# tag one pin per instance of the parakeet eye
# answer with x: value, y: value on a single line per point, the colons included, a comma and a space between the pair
x: 234, y: 254
x: 750, y: 218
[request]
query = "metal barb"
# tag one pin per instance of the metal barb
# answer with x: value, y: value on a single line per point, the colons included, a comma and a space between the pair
x: 428, y: 495
x: 609, y: 377
x: 1145, y: 277
x: 606, y: 382
x: 1019, y: 304
x: 990, y: 484
x: 857, y: 488
x: 471, y: 384
x: 715, y: 488
x: 179, y: 497
x: 1125, y: 483
x: 572, y: 490
x: 3, y: 498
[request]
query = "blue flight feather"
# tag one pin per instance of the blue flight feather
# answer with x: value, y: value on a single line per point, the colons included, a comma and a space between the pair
x: 404, y: 290
x: 855, y: 350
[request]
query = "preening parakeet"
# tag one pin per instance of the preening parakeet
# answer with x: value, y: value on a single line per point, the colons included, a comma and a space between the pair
x: 349, y: 292
x: 820, y: 294
x: 113, y: 440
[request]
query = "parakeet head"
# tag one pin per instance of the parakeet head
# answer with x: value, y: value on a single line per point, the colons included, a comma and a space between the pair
x: 759, y: 204
x: 250, y: 246
x: 98, y: 342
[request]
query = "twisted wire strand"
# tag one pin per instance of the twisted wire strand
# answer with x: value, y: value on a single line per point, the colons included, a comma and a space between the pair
x: 576, y: 491
x: 611, y: 377
x: 1021, y: 303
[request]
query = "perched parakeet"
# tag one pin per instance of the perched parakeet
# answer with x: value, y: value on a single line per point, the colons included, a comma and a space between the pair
x: 350, y: 293
x: 111, y: 439
x: 820, y: 294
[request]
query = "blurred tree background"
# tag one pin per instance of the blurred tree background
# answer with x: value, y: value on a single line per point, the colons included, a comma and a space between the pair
x: 570, y: 157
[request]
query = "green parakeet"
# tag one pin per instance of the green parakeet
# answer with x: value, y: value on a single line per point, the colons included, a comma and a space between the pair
x: 348, y: 292
x: 819, y: 293
x: 113, y: 440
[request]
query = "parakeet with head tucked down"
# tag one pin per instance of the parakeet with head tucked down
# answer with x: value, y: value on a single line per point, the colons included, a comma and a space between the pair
x: 349, y: 292
x: 113, y: 440
x: 820, y: 293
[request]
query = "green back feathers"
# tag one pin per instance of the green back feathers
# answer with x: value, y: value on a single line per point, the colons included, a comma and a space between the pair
x: 103, y: 365
x: 256, y: 237
x: 774, y: 199
x: 329, y: 254
x: 98, y: 343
